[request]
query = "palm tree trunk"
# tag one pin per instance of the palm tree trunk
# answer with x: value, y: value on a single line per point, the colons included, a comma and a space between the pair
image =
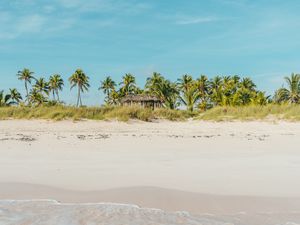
x: 78, y: 96
x: 80, y: 101
x: 53, y: 95
x: 27, y: 95
x: 57, y: 95
x: 108, y: 100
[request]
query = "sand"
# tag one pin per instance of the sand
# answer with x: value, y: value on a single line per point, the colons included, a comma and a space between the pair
x: 195, y: 166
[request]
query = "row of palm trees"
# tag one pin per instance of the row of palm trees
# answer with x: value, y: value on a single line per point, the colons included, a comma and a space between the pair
x: 40, y: 91
x: 201, y: 93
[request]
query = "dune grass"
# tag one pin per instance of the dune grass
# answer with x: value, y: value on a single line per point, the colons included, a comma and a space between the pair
x: 271, y: 111
x: 92, y: 113
x: 245, y: 113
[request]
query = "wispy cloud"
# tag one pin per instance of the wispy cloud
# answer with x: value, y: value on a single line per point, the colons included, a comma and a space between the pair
x: 30, y: 23
x: 104, y: 5
x: 195, y: 20
x: 20, y: 17
x: 13, y: 27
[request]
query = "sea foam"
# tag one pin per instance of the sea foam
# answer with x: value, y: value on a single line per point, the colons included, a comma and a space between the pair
x: 51, y: 212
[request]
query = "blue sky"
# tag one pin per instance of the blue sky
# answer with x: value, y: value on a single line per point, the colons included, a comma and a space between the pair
x: 255, y: 38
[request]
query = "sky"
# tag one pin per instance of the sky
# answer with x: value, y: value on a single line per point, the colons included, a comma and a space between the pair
x: 255, y: 38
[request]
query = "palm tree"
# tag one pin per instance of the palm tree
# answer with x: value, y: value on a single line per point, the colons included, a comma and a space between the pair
x: 216, y: 86
x: 185, y: 82
x: 154, y: 84
x: 56, y: 84
x: 247, y: 83
x: 128, y: 85
x: 292, y: 93
x: 14, y: 96
x: 229, y: 87
x: 27, y: 76
x: 170, y: 94
x: 163, y: 89
x: 190, y: 94
x: 114, y: 97
x: 36, y: 97
x: 243, y: 97
x: 81, y: 80
x: 4, y: 99
x: 107, y: 85
x: 236, y: 79
x: 202, y: 84
x: 260, y: 98
x: 42, y: 86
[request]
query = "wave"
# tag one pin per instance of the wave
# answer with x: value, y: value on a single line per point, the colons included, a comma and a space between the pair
x: 50, y: 212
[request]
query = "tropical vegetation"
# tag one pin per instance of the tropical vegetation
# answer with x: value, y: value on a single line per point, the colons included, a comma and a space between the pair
x: 196, y: 96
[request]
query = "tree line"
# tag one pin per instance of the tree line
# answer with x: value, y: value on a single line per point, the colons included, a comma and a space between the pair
x: 201, y: 93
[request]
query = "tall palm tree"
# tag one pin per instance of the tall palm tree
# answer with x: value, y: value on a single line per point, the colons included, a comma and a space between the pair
x: 42, y: 86
x: 128, y: 85
x: 292, y: 93
x: 14, y: 96
x: 107, y: 85
x: 56, y: 84
x: 81, y: 80
x: 27, y: 76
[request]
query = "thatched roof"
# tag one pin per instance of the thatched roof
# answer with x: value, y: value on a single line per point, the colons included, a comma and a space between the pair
x: 140, y: 98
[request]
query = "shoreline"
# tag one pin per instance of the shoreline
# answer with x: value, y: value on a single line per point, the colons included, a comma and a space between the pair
x: 195, y: 166
x: 169, y: 200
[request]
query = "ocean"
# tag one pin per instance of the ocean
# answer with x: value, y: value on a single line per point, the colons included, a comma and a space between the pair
x: 51, y: 212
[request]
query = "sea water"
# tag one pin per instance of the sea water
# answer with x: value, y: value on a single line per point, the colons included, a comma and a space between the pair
x: 50, y: 212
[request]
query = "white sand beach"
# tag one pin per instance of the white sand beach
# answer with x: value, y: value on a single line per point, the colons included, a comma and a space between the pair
x: 201, y: 167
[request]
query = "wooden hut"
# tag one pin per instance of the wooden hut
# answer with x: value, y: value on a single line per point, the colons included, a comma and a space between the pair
x: 145, y: 101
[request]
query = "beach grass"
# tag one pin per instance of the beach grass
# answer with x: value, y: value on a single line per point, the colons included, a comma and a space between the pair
x: 92, y: 113
x: 242, y: 113
x: 247, y: 113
